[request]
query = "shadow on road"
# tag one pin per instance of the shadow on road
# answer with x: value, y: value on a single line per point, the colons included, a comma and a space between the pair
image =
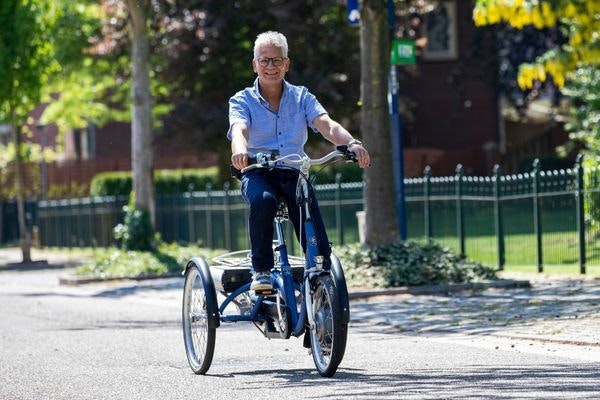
x: 578, y: 380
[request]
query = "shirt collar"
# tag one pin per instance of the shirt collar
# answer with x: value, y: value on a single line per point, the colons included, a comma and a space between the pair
x: 286, y: 88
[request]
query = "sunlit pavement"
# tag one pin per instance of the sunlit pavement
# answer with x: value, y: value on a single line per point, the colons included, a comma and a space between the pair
x: 561, y: 312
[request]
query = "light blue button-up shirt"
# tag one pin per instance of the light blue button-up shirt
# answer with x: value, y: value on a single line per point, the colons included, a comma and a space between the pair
x: 284, y: 130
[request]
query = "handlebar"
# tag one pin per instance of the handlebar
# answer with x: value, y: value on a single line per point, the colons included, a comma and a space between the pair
x: 263, y: 160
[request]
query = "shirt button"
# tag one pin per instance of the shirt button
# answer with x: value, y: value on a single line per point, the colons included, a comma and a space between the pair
x: 280, y: 133
x: 280, y: 145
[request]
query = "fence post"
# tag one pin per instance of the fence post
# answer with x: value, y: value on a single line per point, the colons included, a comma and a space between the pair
x: 338, y: 208
x: 427, y: 205
x: 579, y: 199
x: 537, y: 220
x: 460, y: 220
x: 209, y: 239
x: 191, y: 227
x: 498, y: 218
x: 227, y: 216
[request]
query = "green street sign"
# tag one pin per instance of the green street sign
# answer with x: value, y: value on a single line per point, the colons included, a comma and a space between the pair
x: 403, y: 52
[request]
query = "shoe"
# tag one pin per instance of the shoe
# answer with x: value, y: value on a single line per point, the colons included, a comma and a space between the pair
x: 261, y: 282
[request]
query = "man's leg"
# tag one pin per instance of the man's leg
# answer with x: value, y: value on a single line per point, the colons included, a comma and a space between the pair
x: 259, y: 193
x: 317, y: 220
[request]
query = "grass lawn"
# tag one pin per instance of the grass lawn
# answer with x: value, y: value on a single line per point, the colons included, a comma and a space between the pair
x: 560, y: 252
x: 554, y: 269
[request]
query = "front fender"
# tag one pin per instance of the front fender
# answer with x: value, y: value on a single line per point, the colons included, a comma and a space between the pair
x: 340, y: 283
x: 214, y: 320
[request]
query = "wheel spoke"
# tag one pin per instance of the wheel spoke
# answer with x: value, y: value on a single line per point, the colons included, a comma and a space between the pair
x: 327, y: 334
x: 198, y: 335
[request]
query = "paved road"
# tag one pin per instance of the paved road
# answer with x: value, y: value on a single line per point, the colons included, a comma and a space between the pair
x: 123, y: 341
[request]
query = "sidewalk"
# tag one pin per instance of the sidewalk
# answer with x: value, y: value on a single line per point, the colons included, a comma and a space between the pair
x: 532, y: 307
x: 555, y: 310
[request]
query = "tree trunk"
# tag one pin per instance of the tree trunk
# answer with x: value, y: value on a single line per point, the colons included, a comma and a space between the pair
x: 141, y: 119
x: 24, y: 236
x: 379, y: 194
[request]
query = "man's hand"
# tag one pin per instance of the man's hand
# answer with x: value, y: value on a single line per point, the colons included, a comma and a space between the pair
x: 362, y: 155
x: 239, y: 160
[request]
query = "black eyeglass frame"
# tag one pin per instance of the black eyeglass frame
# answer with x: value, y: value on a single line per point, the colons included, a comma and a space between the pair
x: 276, y: 61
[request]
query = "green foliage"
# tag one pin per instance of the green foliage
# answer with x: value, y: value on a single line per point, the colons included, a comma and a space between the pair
x: 408, y: 263
x: 26, y: 55
x: 111, y: 184
x: 584, y: 129
x: 92, y: 86
x: 584, y: 91
x: 136, y: 231
x: 117, y: 263
x: 181, y: 180
x: 165, y: 181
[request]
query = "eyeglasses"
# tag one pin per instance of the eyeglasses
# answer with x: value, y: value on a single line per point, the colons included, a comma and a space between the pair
x: 276, y: 61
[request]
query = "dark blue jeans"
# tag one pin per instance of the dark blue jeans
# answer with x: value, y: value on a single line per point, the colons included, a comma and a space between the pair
x: 261, y: 189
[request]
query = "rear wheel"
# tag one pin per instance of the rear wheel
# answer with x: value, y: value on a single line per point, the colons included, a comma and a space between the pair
x: 198, y: 335
x: 328, y: 336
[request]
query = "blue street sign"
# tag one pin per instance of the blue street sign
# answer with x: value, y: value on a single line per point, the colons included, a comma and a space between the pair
x: 353, y: 12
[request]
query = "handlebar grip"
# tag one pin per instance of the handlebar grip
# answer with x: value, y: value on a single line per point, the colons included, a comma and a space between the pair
x: 236, y: 173
x: 348, y: 155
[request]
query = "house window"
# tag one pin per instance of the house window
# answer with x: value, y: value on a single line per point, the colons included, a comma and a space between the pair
x: 440, y: 29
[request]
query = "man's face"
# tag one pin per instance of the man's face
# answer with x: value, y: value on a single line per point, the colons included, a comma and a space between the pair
x: 270, y: 65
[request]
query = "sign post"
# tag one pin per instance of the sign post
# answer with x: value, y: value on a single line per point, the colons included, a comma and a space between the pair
x: 353, y: 12
x: 403, y: 52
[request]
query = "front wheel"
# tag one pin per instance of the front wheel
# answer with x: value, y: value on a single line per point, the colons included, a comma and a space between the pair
x: 199, y: 299
x: 328, y: 335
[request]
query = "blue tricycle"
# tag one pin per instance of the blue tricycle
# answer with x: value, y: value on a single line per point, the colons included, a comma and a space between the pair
x: 307, y: 298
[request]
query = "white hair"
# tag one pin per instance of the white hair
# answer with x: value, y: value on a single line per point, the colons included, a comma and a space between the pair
x: 271, y: 38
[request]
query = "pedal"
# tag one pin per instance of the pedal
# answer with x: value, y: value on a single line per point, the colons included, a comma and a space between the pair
x: 264, y: 292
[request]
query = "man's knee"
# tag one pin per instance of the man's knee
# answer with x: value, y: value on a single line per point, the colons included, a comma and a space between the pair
x: 264, y: 206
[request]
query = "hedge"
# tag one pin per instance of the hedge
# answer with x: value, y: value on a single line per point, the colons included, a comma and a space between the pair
x: 119, y: 183
x: 165, y: 181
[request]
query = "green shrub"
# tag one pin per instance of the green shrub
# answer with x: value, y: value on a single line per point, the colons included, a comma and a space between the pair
x: 117, y: 263
x: 408, y: 264
x: 119, y: 183
x: 136, y: 232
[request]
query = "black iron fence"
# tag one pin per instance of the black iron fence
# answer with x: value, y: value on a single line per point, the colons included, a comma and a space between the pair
x: 541, y: 217
x: 211, y: 218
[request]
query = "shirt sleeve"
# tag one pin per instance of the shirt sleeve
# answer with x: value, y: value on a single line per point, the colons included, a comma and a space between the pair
x: 239, y: 112
x: 312, y: 109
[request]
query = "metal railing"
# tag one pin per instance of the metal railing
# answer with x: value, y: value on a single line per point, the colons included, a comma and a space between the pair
x: 541, y: 217
x: 211, y: 218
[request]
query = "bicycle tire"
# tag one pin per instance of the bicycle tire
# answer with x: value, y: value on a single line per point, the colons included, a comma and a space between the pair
x: 344, y: 300
x: 198, y: 334
x: 328, y: 336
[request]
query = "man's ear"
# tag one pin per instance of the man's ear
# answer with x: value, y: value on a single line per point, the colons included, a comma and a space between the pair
x: 254, y: 65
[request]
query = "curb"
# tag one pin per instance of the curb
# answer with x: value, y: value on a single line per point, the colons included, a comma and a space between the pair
x: 74, y: 280
x: 35, y: 265
x: 545, y: 339
x: 440, y: 289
